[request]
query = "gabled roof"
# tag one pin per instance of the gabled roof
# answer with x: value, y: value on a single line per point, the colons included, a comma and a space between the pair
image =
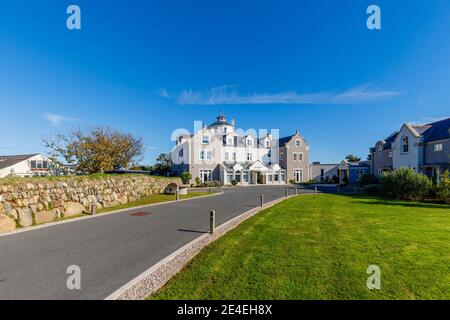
x: 388, y: 141
x: 8, y: 161
x: 436, y: 131
x: 283, y: 141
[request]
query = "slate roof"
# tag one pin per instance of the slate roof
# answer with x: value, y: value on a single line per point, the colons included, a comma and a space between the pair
x: 8, y: 161
x: 436, y: 131
x: 388, y: 141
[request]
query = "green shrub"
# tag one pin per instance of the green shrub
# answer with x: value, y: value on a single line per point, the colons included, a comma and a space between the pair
x: 234, y: 182
x: 367, y: 179
x: 185, y: 177
x: 405, y: 184
x: 442, y: 188
x: 292, y: 181
x: 371, y: 189
x: 210, y: 184
x: 198, y: 181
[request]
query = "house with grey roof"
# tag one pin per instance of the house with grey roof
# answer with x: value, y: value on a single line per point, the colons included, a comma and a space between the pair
x: 381, y: 155
x: 25, y: 165
x: 423, y: 148
x: 222, y: 152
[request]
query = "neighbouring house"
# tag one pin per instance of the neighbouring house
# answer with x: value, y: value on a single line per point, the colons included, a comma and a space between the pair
x: 382, y: 156
x: 423, y: 148
x: 351, y: 172
x: 25, y: 166
x: 323, y: 172
x: 222, y: 152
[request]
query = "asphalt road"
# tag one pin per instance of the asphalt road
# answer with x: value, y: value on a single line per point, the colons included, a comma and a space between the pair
x: 112, y: 249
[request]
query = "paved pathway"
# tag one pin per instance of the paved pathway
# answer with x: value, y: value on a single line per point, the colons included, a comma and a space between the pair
x: 112, y: 249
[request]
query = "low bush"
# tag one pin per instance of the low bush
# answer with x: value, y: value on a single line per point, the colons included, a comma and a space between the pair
x: 234, y: 182
x: 442, y: 188
x: 405, y: 184
x: 210, y: 184
x: 292, y: 181
x: 185, y: 177
x: 371, y: 189
x: 198, y: 181
x: 367, y: 179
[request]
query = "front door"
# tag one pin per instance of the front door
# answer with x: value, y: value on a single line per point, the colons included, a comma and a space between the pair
x: 298, y: 175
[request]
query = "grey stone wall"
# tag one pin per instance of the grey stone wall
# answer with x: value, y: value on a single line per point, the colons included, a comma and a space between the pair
x: 33, y: 201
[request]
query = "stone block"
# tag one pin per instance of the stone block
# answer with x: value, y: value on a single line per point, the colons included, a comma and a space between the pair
x: 6, y: 224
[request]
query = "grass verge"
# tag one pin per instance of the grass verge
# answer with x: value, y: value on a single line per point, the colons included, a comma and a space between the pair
x: 319, y: 247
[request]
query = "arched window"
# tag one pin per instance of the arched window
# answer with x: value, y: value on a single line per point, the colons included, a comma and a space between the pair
x: 405, y: 144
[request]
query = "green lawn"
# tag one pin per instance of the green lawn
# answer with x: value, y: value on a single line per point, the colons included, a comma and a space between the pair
x: 154, y: 198
x: 319, y: 247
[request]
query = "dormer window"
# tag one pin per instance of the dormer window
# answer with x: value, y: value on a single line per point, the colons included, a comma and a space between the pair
x: 380, y: 150
x: 405, y: 144
x: 230, y: 141
x: 225, y: 129
x: 267, y: 143
x: 298, y: 143
x: 205, y: 139
x: 249, y: 142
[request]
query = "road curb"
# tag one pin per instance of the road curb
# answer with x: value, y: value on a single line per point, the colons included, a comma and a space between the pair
x: 160, y: 273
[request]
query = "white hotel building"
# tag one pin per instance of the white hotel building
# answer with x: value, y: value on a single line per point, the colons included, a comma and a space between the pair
x: 219, y: 152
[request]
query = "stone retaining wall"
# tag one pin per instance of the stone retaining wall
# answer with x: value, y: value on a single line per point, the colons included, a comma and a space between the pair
x: 33, y: 201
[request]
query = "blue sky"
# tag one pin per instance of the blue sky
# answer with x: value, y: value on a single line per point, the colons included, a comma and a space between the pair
x: 149, y: 67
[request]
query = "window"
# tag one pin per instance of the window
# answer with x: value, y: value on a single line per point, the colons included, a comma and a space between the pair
x: 205, y: 154
x: 39, y: 165
x: 267, y: 143
x: 226, y: 156
x: 281, y: 156
x: 205, y: 175
x: 269, y: 177
x: 300, y: 156
x: 405, y: 144
x: 205, y: 139
x: 295, y: 156
x: 380, y: 150
x: 298, y: 143
x: 380, y: 173
x: 225, y: 129
x: 245, y: 176
x: 249, y: 142
x: 390, y: 154
x: 234, y: 156
x: 437, y: 147
x: 322, y: 173
x: 180, y: 153
x: 230, y: 141
x: 249, y: 156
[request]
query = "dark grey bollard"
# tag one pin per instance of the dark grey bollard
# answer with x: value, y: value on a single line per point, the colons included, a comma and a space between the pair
x: 93, y: 209
x: 261, y: 198
x: 339, y: 189
x: 177, y: 194
x: 315, y: 189
x: 296, y: 191
x: 287, y: 193
x: 212, y: 221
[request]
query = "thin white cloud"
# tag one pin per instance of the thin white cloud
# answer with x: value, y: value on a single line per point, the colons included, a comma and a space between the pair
x: 57, y: 119
x: 228, y: 95
x: 163, y: 93
x: 150, y: 148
